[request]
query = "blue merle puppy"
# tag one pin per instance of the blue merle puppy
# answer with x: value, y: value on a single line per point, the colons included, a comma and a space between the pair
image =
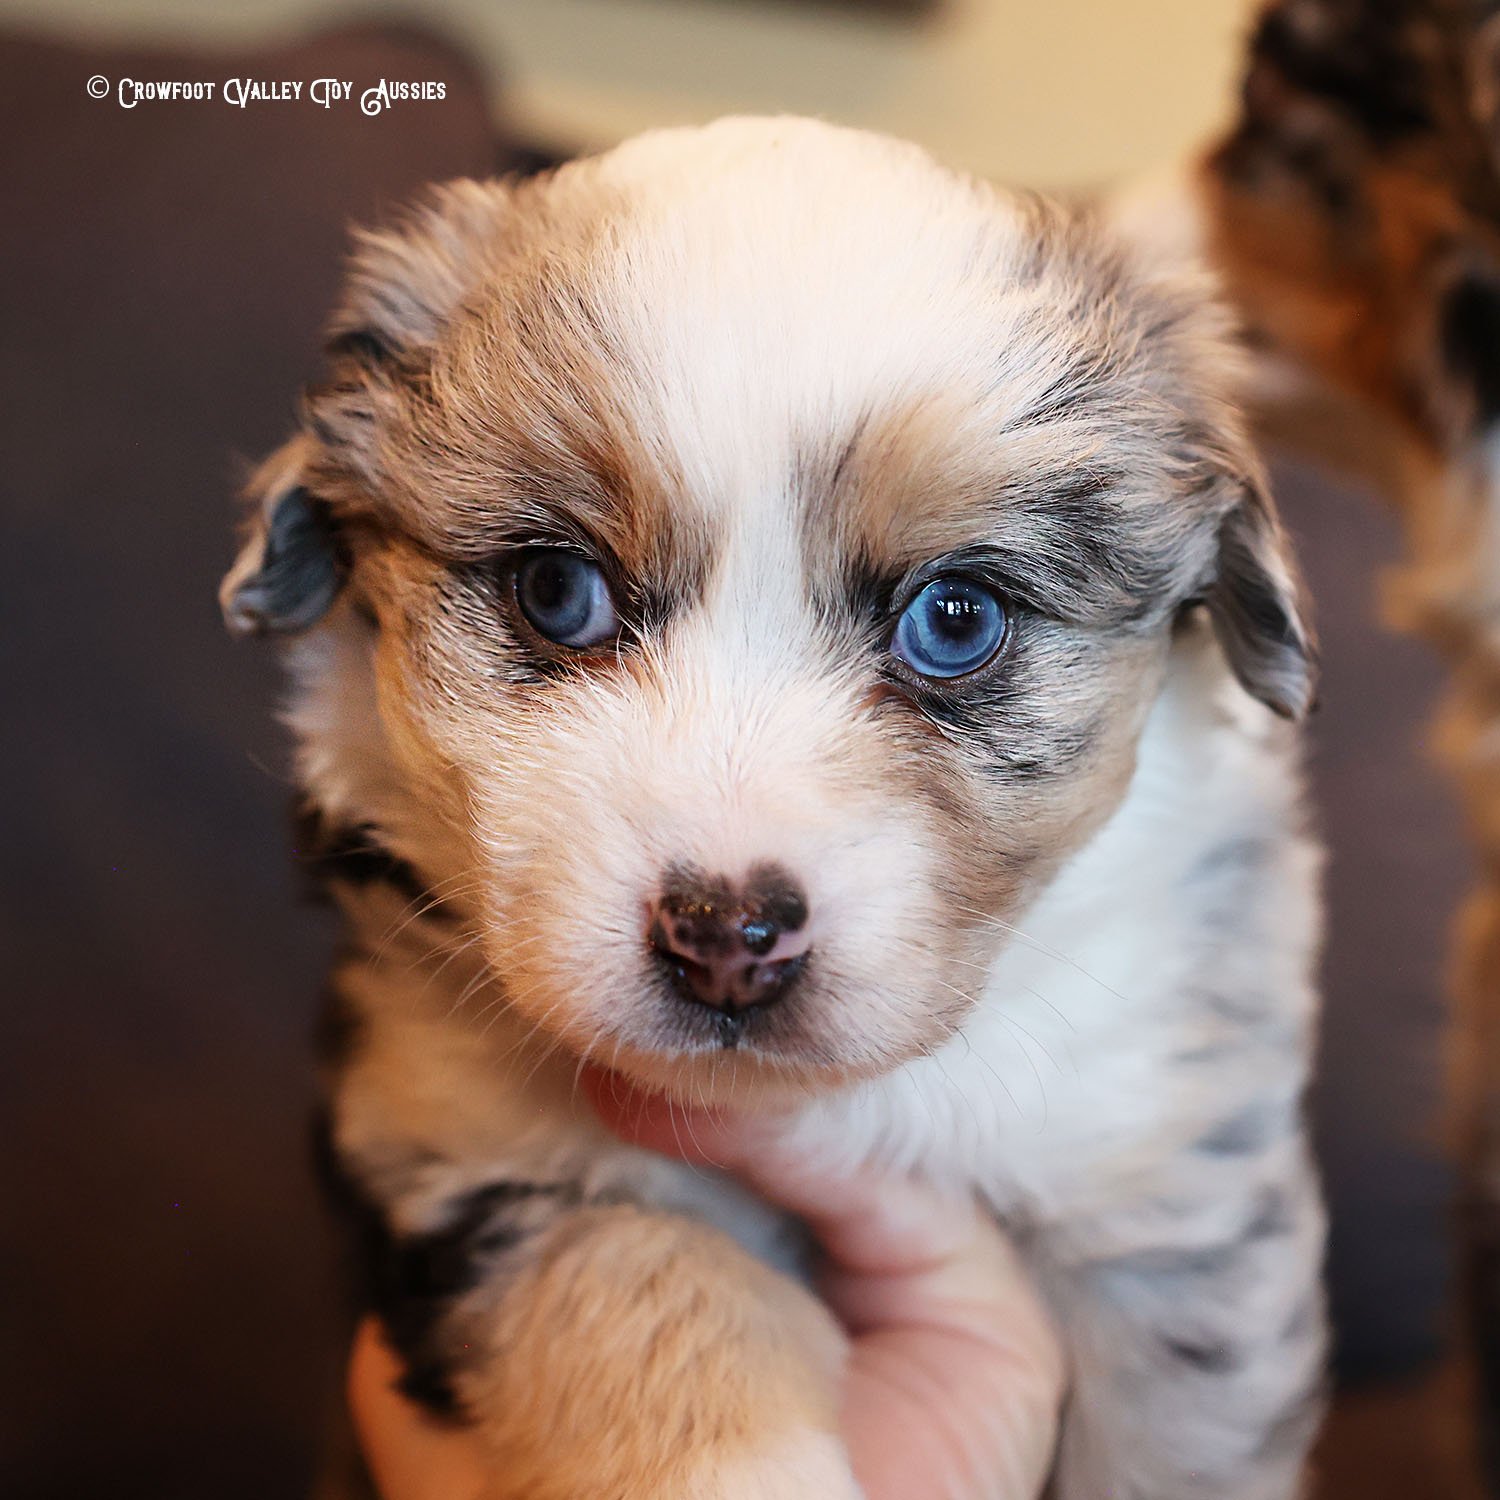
x: 801, y: 628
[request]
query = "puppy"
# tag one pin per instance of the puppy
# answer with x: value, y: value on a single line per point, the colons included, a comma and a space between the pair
x: 800, y: 627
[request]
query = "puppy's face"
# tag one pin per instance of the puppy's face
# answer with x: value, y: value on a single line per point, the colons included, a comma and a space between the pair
x: 770, y: 546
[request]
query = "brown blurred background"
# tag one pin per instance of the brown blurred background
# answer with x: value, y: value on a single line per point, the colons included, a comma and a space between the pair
x: 1066, y: 94
x: 169, y: 1321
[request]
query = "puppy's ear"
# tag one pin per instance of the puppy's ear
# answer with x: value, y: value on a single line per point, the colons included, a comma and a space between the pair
x: 293, y: 562
x: 1255, y: 601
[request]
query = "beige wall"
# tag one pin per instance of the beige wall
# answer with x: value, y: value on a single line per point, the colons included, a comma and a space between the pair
x: 1059, y: 93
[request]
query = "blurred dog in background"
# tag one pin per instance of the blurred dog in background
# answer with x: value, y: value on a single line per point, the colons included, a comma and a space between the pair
x: 1353, y: 212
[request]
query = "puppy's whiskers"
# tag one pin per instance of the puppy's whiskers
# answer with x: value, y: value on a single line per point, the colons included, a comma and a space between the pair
x: 1010, y: 930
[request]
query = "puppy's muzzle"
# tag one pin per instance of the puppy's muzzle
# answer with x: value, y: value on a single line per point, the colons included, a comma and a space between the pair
x: 727, y: 947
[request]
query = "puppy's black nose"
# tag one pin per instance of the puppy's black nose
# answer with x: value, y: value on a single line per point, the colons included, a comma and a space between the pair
x: 730, y: 947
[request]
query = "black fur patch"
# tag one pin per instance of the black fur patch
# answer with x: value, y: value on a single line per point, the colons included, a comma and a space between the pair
x: 411, y: 1282
x: 418, y: 1278
x: 1469, y: 334
x: 1207, y: 1359
x: 1366, y: 66
x: 352, y: 853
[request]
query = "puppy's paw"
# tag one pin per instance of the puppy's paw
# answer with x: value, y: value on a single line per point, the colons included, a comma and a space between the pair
x: 796, y: 1466
x: 646, y: 1356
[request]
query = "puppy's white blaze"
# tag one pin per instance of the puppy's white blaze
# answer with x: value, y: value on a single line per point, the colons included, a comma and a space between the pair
x: 751, y: 327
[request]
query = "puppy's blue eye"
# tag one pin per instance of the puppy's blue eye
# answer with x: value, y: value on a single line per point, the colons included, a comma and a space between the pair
x: 566, y: 598
x: 953, y: 627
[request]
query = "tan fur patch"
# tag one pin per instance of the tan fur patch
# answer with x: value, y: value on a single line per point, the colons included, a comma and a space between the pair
x: 637, y: 1352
